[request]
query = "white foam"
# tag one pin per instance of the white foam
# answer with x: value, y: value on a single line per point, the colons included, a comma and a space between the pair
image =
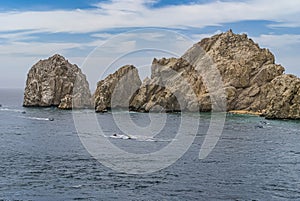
x: 124, y: 137
x: 36, y: 118
x: 11, y: 110
x: 134, y: 137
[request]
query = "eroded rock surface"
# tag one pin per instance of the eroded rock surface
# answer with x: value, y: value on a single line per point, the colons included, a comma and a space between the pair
x: 283, y: 93
x: 116, y: 90
x: 56, y: 82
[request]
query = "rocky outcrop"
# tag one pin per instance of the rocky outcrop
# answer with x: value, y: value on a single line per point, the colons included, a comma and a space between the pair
x: 252, y: 80
x: 283, y: 93
x: 174, y: 86
x: 229, y: 67
x: 116, y: 90
x: 56, y: 82
x: 244, y: 68
x: 223, y: 73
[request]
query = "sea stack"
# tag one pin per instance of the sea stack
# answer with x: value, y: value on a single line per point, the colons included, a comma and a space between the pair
x: 116, y: 90
x: 56, y: 82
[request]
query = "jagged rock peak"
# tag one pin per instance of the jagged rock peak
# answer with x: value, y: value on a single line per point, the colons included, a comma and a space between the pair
x: 57, y: 56
x: 56, y: 82
x: 228, y: 44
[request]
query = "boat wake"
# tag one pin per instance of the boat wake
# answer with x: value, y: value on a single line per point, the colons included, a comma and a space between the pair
x: 11, y: 110
x: 37, y: 118
x: 138, y: 138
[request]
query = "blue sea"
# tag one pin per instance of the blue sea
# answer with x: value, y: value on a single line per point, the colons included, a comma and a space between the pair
x: 254, y: 158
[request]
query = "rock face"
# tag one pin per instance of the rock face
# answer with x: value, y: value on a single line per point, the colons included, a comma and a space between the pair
x: 116, y: 90
x: 252, y: 80
x: 56, y: 82
x: 174, y: 86
x: 225, y: 72
x: 284, y: 95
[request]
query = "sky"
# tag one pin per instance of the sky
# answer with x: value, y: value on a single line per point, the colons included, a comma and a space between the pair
x: 99, y: 36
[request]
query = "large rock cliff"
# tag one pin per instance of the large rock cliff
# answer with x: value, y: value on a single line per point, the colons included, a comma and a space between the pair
x: 225, y: 72
x: 56, y: 82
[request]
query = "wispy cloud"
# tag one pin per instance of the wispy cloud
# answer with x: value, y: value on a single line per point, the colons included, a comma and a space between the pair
x: 132, y: 13
x: 198, y: 37
x: 20, y: 28
x: 18, y: 36
x: 22, y: 41
x: 35, y: 48
x: 278, y: 41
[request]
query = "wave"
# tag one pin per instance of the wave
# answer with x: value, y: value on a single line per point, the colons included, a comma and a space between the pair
x: 37, y: 118
x: 11, y: 110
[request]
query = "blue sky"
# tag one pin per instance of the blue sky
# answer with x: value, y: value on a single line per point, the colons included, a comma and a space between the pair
x: 35, y: 29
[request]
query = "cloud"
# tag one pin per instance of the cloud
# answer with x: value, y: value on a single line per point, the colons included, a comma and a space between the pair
x: 21, y: 44
x: 19, y: 30
x: 198, y: 37
x: 137, y: 13
x: 17, y: 36
x: 102, y: 35
x: 35, y: 48
x: 17, y: 27
x: 278, y: 41
x: 111, y: 44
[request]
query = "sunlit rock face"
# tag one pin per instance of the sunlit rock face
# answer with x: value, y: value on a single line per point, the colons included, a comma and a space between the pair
x: 116, y: 90
x: 56, y: 82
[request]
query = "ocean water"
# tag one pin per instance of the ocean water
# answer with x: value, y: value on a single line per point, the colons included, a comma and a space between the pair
x: 254, y: 159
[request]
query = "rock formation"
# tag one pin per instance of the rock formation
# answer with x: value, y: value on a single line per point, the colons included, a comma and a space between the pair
x: 225, y: 72
x: 174, y: 86
x: 244, y: 68
x: 252, y: 80
x: 116, y: 90
x: 56, y: 82
x: 241, y: 65
x: 283, y: 93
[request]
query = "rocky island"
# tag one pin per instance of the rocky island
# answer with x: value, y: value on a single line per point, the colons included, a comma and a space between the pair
x: 250, y: 82
x: 56, y: 82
